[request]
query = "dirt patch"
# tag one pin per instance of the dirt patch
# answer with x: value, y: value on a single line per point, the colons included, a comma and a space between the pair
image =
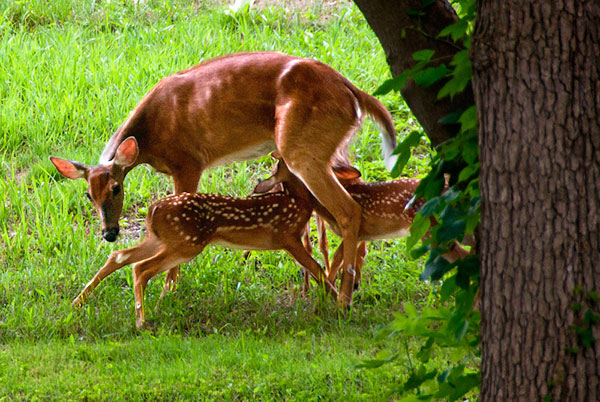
x: 301, y: 4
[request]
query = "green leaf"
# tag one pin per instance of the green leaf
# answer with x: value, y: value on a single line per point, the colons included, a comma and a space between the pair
x: 432, y: 185
x: 448, y: 288
x: 468, y: 172
x: 393, y: 84
x: 403, y: 151
x: 374, y: 363
x: 592, y: 296
x: 470, y: 266
x: 470, y: 151
x: 451, y: 195
x: 420, y: 251
x: 425, y: 352
x: 460, y: 77
x: 410, y: 310
x: 463, y: 281
x: 457, y: 386
x: 423, y: 55
x: 430, y: 207
x: 586, y: 338
x: 451, y: 118
x: 419, y: 377
x: 456, y: 30
x: 468, y: 119
x: 451, y: 230
x: 461, y: 331
x: 443, y: 376
x: 418, y: 229
x: 415, y: 13
x: 452, y: 225
x: 435, y: 268
x: 431, y: 75
x: 591, y: 317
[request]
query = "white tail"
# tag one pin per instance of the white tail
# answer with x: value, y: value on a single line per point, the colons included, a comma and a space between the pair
x: 239, y: 107
x: 180, y: 226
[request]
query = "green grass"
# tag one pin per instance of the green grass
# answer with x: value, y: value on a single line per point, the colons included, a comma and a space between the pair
x: 70, y: 72
x: 294, y: 366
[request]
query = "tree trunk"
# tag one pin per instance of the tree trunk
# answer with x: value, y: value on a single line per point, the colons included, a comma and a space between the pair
x: 537, y: 84
x: 401, y: 35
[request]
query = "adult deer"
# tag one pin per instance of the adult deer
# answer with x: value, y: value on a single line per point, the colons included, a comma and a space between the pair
x: 235, y: 108
x: 384, y: 216
x: 180, y: 226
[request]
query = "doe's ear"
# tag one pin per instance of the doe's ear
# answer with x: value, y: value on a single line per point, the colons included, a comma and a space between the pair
x: 127, y: 152
x: 70, y: 169
x: 346, y: 172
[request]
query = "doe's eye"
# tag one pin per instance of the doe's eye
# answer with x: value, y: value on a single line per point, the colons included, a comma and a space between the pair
x: 116, y: 190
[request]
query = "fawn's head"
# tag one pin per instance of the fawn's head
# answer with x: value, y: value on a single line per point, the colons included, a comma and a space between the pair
x: 105, y: 184
x: 281, y: 174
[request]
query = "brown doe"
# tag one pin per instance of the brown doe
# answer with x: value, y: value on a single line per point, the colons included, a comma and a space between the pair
x: 180, y: 226
x: 239, y: 107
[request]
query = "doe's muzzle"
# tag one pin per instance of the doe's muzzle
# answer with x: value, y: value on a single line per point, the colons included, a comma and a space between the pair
x: 110, y: 234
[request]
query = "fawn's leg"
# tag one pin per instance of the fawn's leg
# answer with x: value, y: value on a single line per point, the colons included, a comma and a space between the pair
x: 186, y: 181
x: 300, y: 254
x: 117, y: 259
x: 309, y: 249
x: 144, y: 270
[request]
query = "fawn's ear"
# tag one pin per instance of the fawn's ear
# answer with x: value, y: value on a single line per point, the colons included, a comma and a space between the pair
x: 346, y: 172
x: 70, y: 169
x: 266, y: 185
x: 127, y: 152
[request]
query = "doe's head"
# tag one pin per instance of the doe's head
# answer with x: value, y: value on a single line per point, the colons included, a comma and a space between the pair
x: 105, y: 184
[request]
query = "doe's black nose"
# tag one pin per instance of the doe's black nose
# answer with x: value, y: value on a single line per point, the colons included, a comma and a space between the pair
x: 110, y: 234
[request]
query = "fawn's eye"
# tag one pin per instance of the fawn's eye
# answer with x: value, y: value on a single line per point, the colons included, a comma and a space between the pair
x: 116, y: 190
x: 89, y: 197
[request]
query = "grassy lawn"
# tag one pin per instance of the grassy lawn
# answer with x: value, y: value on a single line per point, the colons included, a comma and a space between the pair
x: 70, y: 72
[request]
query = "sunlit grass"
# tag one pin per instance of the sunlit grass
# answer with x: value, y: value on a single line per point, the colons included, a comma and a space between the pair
x: 70, y: 73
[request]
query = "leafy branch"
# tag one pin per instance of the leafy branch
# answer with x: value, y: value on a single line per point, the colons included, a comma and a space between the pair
x: 451, y: 192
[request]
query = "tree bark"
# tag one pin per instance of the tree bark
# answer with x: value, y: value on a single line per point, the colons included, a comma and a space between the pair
x: 537, y: 84
x: 401, y: 35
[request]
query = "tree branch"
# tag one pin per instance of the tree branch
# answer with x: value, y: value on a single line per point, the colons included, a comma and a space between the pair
x: 401, y: 34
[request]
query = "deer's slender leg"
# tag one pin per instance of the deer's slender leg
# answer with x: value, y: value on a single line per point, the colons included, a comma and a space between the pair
x: 144, y: 270
x: 115, y: 261
x: 299, y: 253
x: 184, y: 182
